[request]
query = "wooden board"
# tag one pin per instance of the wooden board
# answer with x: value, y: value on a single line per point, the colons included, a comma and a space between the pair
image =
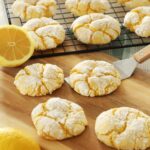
x: 15, y: 109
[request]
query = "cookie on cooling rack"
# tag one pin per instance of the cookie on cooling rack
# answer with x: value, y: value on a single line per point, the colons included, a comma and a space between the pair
x: 28, y: 9
x: 58, y: 119
x: 124, y: 128
x: 134, y: 3
x: 46, y: 32
x: 138, y: 21
x: 94, y: 78
x: 84, y: 7
x: 96, y: 28
x: 39, y: 79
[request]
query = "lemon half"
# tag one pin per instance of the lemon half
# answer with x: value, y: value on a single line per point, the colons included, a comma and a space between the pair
x: 13, y: 139
x: 16, y: 46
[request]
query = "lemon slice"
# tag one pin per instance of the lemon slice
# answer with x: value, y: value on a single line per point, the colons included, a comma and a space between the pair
x: 12, y: 139
x: 16, y: 46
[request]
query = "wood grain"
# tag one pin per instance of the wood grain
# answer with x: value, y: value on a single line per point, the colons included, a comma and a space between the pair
x: 15, y: 109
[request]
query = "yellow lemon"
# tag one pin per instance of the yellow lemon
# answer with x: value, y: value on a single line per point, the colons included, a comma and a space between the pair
x: 12, y: 139
x: 16, y: 46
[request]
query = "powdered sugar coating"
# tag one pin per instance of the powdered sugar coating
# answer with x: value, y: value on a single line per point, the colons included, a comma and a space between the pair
x: 96, y: 28
x: 138, y: 21
x: 39, y: 79
x: 124, y: 128
x: 83, y: 7
x: 46, y: 32
x: 134, y: 3
x: 94, y: 78
x: 58, y: 119
x: 28, y: 9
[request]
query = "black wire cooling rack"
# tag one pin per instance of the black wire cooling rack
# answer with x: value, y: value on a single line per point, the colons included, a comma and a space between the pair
x: 71, y: 45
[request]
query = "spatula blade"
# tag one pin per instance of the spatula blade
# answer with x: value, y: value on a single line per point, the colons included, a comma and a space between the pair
x: 126, y: 67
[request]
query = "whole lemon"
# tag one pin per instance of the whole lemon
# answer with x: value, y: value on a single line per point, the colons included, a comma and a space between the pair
x: 13, y: 139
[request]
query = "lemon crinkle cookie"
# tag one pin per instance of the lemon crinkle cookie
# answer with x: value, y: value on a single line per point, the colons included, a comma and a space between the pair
x: 58, y: 119
x: 39, y: 79
x: 28, y: 9
x: 94, y: 78
x: 83, y: 7
x: 138, y: 21
x: 134, y: 3
x: 46, y: 32
x: 124, y: 128
x: 96, y: 28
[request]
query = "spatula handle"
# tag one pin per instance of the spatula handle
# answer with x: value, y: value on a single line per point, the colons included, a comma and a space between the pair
x: 143, y: 54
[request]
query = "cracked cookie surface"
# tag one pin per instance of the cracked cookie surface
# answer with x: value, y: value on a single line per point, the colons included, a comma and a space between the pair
x: 124, y: 128
x: 96, y: 28
x: 83, y: 7
x: 39, y: 79
x: 94, y: 78
x: 46, y: 32
x: 134, y: 3
x: 138, y: 21
x: 28, y: 9
x: 58, y: 119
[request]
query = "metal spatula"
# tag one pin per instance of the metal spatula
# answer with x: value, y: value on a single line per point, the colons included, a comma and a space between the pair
x: 126, y: 67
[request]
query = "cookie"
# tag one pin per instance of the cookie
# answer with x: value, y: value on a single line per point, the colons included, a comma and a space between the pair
x: 134, y: 3
x: 46, y: 32
x: 96, y: 28
x: 94, y: 78
x: 138, y: 21
x: 28, y: 9
x: 124, y: 128
x: 58, y: 119
x: 83, y: 7
x: 39, y: 79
